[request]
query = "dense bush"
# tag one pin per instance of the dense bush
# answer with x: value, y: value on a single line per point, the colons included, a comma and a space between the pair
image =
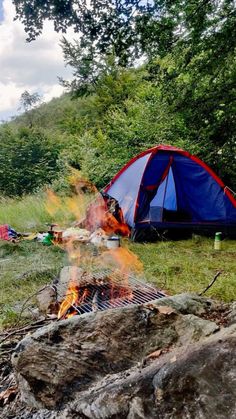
x: 28, y: 160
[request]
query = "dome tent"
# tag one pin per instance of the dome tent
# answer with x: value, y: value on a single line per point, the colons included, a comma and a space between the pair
x: 166, y: 187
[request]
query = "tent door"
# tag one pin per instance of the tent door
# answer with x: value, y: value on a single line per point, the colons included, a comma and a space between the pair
x: 164, y: 199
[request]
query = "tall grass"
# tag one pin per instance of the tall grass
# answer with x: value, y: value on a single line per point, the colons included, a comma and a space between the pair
x: 27, y: 213
x: 33, y: 212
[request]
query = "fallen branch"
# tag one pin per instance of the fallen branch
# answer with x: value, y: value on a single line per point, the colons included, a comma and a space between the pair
x: 25, y: 329
x: 28, y: 299
x: 211, y: 283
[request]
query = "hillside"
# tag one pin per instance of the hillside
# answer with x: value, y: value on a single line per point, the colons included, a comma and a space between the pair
x: 129, y: 110
x: 167, y: 75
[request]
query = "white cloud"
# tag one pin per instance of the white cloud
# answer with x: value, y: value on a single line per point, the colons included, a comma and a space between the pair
x: 31, y: 66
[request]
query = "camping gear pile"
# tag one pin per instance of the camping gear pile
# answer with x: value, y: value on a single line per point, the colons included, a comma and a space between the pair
x: 57, y: 237
x: 102, y: 222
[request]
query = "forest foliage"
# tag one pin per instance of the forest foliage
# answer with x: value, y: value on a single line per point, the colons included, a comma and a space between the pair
x: 181, y: 91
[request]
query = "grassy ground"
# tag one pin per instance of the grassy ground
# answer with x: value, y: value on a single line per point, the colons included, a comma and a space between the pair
x: 24, y: 269
x: 187, y: 265
x: 33, y: 212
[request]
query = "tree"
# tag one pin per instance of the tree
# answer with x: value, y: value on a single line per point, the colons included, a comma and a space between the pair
x: 200, y: 86
x: 189, y: 48
x: 87, y: 67
x: 28, y: 160
x: 128, y: 28
x: 104, y: 24
x: 28, y: 102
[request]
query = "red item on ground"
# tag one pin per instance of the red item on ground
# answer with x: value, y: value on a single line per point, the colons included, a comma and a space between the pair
x: 4, y: 232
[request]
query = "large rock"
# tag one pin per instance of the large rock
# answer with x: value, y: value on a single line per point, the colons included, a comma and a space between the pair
x: 73, y: 356
x: 187, y: 303
x: 199, y: 382
x: 47, y: 300
x: 192, y: 382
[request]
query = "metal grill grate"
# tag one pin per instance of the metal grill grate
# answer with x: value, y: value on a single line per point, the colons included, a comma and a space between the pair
x: 117, y: 291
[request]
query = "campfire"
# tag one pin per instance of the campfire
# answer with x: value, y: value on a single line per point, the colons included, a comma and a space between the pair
x: 103, y: 291
x: 115, y: 281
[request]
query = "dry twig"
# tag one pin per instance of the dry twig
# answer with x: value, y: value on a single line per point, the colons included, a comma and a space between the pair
x: 28, y: 299
x: 24, y: 330
x: 211, y: 283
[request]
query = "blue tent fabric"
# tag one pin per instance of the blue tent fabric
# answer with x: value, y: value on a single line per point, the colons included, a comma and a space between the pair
x: 166, y: 193
x: 169, y: 182
x: 126, y: 189
x: 198, y: 192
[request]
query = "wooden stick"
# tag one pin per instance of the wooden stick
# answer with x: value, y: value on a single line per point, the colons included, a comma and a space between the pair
x: 27, y: 300
x: 211, y: 283
x: 24, y: 329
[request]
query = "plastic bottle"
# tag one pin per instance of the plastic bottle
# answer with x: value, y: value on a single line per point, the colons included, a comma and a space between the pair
x: 217, y: 242
x: 48, y: 239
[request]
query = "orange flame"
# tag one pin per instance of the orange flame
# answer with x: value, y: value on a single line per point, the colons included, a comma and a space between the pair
x: 122, y: 259
x: 71, y: 299
x: 98, y: 215
x: 104, y: 214
x: 73, y: 252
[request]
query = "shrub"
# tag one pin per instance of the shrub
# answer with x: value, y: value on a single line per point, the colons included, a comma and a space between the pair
x: 28, y: 160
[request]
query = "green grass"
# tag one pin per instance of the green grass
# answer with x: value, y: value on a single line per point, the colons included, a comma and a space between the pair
x: 31, y: 213
x: 25, y: 214
x: 24, y: 268
x: 190, y: 265
x: 180, y: 266
x: 176, y: 266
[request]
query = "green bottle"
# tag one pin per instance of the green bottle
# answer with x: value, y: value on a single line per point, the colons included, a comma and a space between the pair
x: 48, y: 239
x: 217, y: 243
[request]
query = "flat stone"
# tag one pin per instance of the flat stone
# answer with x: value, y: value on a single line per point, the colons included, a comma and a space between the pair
x: 188, y: 303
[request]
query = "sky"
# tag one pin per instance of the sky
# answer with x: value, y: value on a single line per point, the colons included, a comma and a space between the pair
x: 32, y: 66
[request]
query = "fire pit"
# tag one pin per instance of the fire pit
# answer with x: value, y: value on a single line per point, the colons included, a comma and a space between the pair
x: 105, y: 290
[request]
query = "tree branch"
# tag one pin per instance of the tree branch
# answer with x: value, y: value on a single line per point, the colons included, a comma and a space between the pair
x: 211, y: 283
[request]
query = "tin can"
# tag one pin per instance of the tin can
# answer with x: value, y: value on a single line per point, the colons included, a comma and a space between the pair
x: 218, y: 242
x: 113, y: 242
